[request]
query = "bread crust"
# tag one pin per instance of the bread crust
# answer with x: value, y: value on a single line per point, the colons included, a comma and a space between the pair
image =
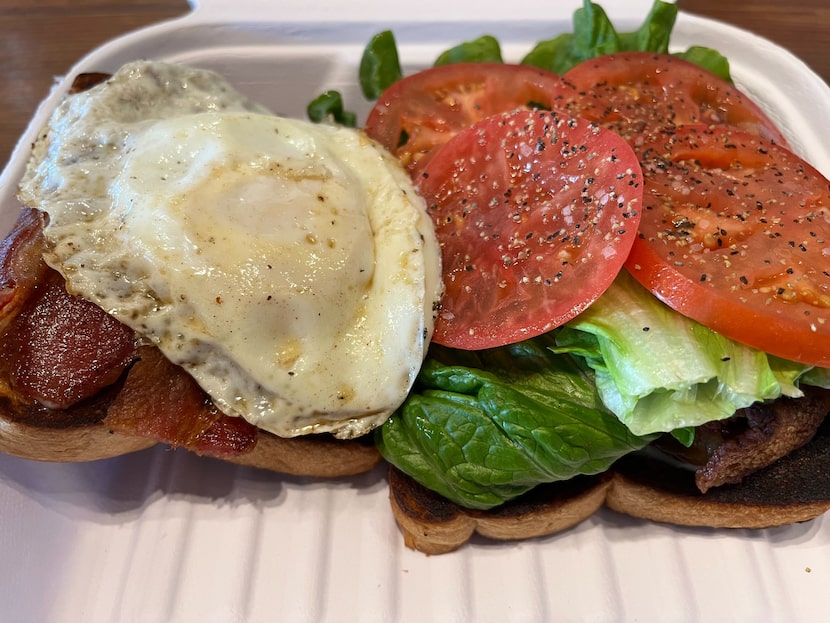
x: 433, y: 525
x: 637, y: 499
x: 89, y: 442
x: 317, y: 456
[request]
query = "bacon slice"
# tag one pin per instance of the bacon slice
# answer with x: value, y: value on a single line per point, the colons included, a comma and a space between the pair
x: 21, y: 264
x: 161, y: 401
x: 66, y: 349
x: 85, y: 81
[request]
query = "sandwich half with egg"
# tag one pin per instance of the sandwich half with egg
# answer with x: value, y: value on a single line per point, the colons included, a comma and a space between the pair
x: 190, y: 269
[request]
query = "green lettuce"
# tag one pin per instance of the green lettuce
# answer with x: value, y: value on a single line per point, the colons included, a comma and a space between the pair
x: 484, y: 427
x: 595, y: 35
x: 659, y: 371
x: 380, y: 67
x: 484, y: 49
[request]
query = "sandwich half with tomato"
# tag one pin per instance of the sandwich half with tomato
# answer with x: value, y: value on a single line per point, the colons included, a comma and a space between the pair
x: 637, y: 277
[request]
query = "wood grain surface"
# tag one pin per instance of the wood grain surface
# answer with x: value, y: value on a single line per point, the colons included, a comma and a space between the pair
x: 39, y: 41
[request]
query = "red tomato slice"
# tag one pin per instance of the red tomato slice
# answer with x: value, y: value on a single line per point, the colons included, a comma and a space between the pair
x: 735, y: 234
x: 535, y: 213
x: 425, y: 110
x: 634, y: 93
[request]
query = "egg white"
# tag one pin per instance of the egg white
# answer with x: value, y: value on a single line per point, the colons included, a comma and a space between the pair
x: 289, y: 267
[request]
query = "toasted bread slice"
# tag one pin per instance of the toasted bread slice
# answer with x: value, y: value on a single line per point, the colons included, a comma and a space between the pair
x: 85, y: 429
x: 794, y: 489
x: 80, y: 443
x: 432, y: 524
x: 320, y: 456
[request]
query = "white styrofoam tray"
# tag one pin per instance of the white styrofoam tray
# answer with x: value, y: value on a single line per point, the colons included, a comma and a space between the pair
x: 163, y: 536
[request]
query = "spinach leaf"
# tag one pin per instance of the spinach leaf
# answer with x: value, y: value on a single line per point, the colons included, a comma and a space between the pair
x: 484, y: 427
x: 709, y: 59
x: 654, y: 34
x: 555, y: 54
x: 328, y: 106
x: 380, y: 67
x: 484, y: 49
x: 595, y: 35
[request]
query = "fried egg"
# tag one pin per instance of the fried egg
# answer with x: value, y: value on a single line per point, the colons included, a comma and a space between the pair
x: 289, y: 267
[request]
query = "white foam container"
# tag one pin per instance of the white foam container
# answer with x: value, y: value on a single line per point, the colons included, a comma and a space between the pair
x: 163, y: 536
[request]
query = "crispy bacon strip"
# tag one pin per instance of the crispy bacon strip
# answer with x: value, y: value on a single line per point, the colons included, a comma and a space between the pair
x: 21, y: 264
x: 727, y: 451
x: 161, y: 401
x: 65, y: 349
x: 85, y: 81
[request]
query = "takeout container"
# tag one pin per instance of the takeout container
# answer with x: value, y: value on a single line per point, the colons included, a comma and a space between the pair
x: 166, y: 536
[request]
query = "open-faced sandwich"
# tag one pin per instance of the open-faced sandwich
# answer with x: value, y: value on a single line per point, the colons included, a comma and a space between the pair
x: 533, y: 289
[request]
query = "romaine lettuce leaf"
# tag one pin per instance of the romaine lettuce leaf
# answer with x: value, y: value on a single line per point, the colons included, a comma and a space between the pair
x: 484, y: 427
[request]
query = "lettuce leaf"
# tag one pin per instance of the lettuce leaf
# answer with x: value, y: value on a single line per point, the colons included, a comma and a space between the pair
x: 659, y: 371
x: 484, y: 427
x: 709, y: 59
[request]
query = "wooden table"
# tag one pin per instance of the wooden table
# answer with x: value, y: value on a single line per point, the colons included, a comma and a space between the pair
x: 41, y: 41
